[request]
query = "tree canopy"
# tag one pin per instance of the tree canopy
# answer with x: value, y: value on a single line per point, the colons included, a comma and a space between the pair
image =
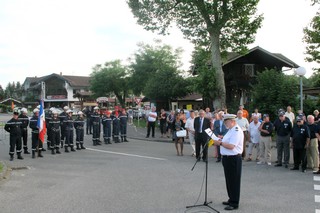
x: 110, y: 78
x: 222, y: 25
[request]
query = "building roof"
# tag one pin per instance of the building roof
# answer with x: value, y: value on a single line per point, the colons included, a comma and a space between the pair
x: 191, y: 97
x: 10, y: 99
x: 277, y: 56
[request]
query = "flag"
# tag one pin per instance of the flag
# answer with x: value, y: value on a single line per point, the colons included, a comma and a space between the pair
x: 211, y: 142
x: 12, y: 105
x: 41, y: 123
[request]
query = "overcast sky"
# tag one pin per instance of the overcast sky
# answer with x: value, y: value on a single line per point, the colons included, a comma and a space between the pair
x: 40, y: 37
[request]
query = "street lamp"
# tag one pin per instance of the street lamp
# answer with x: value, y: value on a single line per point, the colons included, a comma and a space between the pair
x: 301, y: 71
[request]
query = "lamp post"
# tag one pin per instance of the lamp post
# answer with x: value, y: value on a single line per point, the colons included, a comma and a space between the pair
x: 301, y: 71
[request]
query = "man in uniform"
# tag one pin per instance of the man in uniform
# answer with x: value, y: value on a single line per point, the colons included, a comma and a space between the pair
x: 231, y: 146
x: 300, y: 139
x: 68, y: 127
x: 123, y: 125
x: 88, y: 124
x: 13, y: 126
x: 95, y: 120
x: 283, y: 129
x: 36, y: 143
x: 116, y: 127
x: 54, y: 128
x: 48, y: 118
x: 63, y: 117
x: 24, y: 129
x: 266, y: 129
x: 79, y: 126
x: 106, y: 122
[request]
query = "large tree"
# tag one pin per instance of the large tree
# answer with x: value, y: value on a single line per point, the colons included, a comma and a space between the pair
x: 110, y: 78
x: 155, y: 72
x: 223, y: 25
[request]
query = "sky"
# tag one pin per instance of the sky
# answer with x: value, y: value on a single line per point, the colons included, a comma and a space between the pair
x: 40, y: 37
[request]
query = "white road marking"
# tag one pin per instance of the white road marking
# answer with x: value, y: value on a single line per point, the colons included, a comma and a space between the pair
x: 316, y: 178
x: 125, y: 154
x: 316, y: 187
x: 317, y: 198
x: 317, y: 210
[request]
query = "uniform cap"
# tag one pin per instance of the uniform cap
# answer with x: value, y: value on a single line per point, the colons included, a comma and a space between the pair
x: 65, y: 107
x: 69, y: 110
x: 96, y: 108
x: 16, y: 111
x: 265, y: 115
x: 281, y: 113
x: 80, y: 113
x: 24, y: 110
x: 35, y: 110
x: 229, y: 117
x: 38, y: 107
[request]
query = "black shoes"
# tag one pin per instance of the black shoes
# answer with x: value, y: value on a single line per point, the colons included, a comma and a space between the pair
x: 294, y: 168
x: 278, y: 165
x: 230, y: 208
x: 226, y: 203
x: 219, y: 160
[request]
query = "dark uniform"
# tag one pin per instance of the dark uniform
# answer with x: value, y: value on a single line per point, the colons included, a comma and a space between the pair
x: 107, y: 122
x: 95, y: 120
x: 48, y: 117
x: 283, y: 130
x: 123, y: 126
x: 24, y: 131
x: 63, y: 117
x: 79, y: 126
x: 300, y: 135
x: 13, y: 126
x: 54, y: 128
x: 36, y: 143
x: 68, y: 127
x: 116, y: 128
x: 88, y: 114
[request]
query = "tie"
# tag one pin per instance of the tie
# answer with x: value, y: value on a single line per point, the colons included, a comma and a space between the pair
x: 200, y: 125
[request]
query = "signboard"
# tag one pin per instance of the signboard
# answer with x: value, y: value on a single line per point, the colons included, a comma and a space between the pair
x: 189, y: 106
x: 52, y: 97
x: 102, y: 99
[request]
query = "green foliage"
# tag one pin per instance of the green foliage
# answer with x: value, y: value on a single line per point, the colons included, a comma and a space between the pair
x: 312, y: 39
x: 309, y: 106
x: 275, y: 90
x: 13, y: 90
x: 110, y: 78
x: 222, y: 25
x: 154, y: 72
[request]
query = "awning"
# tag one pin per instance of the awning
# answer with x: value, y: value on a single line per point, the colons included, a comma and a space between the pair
x: 90, y: 104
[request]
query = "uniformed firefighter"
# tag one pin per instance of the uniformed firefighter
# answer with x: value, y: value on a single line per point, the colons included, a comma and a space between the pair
x: 116, y: 127
x: 63, y: 116
x: 68, y: 127
x: 107, y: 122
x: 13, y: 126
x: 88, y: 124
x: 95, y: 120
x: 54, y: 128
x: 36, y: 143
x: 123, y: 125
x: 48, y: 117
x: 24, y: 129
x: 79, y: 126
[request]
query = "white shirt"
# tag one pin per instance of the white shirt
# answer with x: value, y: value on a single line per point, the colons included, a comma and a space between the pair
x: 290, y: 115
x: 234, y: 136
x: 190, y: 124
x: 243, y: 123
x: 152, y: 119
x: 254, y: 132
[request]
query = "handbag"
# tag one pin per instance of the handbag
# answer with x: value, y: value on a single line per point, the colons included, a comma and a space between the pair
x: 181, y: 133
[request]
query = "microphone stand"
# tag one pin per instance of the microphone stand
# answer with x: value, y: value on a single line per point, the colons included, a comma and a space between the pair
x: 206, y: 203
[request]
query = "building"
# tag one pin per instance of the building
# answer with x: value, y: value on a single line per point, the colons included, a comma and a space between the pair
x: 58, y: 90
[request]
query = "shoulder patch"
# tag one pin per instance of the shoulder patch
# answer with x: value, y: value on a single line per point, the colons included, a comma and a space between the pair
x: 237, y: 129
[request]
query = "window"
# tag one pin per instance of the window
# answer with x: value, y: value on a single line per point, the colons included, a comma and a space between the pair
x: 249, y: 70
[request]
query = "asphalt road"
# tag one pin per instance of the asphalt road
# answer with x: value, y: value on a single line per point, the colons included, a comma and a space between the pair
x: 142, y: 176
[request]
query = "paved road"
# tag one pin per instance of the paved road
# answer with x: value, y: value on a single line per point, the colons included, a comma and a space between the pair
x: 143, y: 176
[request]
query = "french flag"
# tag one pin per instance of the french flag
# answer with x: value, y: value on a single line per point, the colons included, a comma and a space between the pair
x: 42, y: 122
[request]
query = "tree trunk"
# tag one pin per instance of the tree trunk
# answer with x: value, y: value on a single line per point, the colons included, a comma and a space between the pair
x: 220, y: 100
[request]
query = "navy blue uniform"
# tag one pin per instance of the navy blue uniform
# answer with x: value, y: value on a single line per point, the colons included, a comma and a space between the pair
x: 79, y: 126
x: 88, y: 114
x: 54, y: 128
x: 300, y: 134
x: 13, y: 126
x: 36, y: 143
x: 107, y: 122
x: 24, y: 131
x: 123, y: 126
x: 95, y: 120
x: 116, y: 128
x: 48, y: 117
x: 62, y: 116
x: 68, y: 127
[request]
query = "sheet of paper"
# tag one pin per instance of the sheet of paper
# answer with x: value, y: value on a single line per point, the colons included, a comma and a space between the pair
x: 211, y: 134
